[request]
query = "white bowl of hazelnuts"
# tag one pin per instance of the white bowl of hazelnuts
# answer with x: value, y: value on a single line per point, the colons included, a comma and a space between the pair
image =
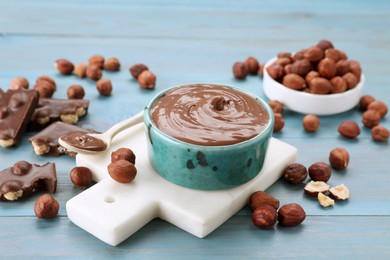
x: 318, y: 80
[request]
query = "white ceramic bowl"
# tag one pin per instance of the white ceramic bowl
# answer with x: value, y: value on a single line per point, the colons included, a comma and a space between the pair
x: 307, y: 103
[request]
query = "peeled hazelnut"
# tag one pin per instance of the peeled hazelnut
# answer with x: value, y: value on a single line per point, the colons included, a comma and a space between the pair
x: 380, y: 133
x: 339, y: 158
x: 320, y: 86
x: 93, y: 72
x: 340, y: 192
x: 122, y: 171
x: 252, y: 65
x: 339, y: 85
x: 333, y: 54
x: 349, y: 129
x: 18, y: 83
x: 123, y: 154
x: 351, y: 80
x: 147, y: 80
x: 301, y: 67
x: 324, y: 200
x: 275, y: 71
x: 276, y: 106
x: 260, y: 198
x: 137, y: 69
x: 325, y: 44
x: 314, y: 187
x: 104, y: 87
x: 379, y: 107
x: 342, y: 67
x: 44, y: 89
x: 294, y: 81
x: 278, y: 122
x: 75, y: 92
x: 46, y: 207
x: 112, y: 64
x: 319, y: 171
x: 240, y: 70
x: 311, y: 75
x: 365, y: 101
x: 97, y: 60
x: 355, y: 68
x: 291, y: 215
x: 64, y: 66
x: 371, y: 118
x: 81, y: 177
x: 311, y: 123
x: 261, y: 70
x: 327, y: 68
x: 80, y: 70
x: 314, y: 54
x: 264, y: 217
x: 295, y: 173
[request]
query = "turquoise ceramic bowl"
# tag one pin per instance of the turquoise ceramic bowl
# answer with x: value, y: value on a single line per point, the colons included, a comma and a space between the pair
x: 206, y: 167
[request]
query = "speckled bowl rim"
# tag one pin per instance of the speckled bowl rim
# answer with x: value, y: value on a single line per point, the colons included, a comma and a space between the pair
x: 267, y: 129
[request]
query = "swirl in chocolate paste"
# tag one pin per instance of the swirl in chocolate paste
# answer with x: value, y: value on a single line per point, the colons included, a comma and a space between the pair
x: 209, y: 115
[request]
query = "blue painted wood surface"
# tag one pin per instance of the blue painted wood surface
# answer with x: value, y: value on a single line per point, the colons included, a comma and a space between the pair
x: 198, y: 41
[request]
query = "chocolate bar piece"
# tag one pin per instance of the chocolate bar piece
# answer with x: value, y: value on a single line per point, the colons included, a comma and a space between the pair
x: 24, y: 178
x: 16, y: 109
x: 50, y: 110
x: 46, y: 141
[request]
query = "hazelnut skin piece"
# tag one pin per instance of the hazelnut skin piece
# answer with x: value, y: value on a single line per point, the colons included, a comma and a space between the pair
x: 123, y: 154
x: 295, y: 173
x: 264, y: 217
x: 46, y: 207
x: 319, y: 171
x: 291, y: 215
x: 310, y: 123
x: 339, y: 158
x: 81, y: 177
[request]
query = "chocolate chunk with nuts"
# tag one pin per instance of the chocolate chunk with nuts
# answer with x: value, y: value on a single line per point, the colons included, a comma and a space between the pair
x: 24, y: 178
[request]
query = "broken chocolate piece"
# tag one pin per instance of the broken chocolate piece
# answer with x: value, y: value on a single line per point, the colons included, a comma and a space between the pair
x: 46, y: 141
x: 24, y: 178
x: 16, y: 108
x: 51, y: 110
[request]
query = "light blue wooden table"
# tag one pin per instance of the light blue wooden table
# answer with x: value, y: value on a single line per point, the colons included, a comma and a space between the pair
x: 197, y: 41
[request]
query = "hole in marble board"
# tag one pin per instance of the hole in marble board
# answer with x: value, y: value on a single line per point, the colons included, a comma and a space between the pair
x: 109, y: 199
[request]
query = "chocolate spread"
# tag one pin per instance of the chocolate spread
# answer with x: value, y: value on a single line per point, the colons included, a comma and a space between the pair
x: 85, y: 142
x: 209, y: 115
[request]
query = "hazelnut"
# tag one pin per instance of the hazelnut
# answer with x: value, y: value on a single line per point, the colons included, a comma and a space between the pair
x: 325, y: 44
x: 104, y: 87
x: 21, y: 168
x: 112, y: 64
x: 314, y: 54
x: 378, y: 106
x: 261, y: 70
x: 122, y: 171
x: 81, y: 177
x: 283, y: 61
x: 284, y: 55
x: 278, y: 122
x: 339, y: 158
x: 276, y: 106
x: 147, y: 80
x: 47, y: 80
x: 75, y: 92
x: 294, y: 81
x: 327, y: 68
x: 320, y: 86
x: 342, y: 67
x: 339, y: 85
x: 295, y: 173
x: 311, y: 75
x: 291, y: 215
x: 260, y: 198
x: 123, y: 154
x: 301, y: 67
x: 299, y: 55
x: 240, y: 70
x: 349, y: 129
x: 310, y: 123
x: 334, y: 54
x: 371, y: 118
x: 314, y: 187
x: 287, y: 69
x: 275, y: 71
x: 264, y: 217
x: 380, y: 133
x: 64, y: 66
x: 18, y: 83
x: 80, y: 70
x: 252, y: 65
x: 355, y: 68
x: 93, y: 72
x: 46, y: 207
x: 324, y: 200
x: 351, y: 80
x: 137, y: 69
x: 44, y: 89
x: 319, y: 171
x: 340, y: 192
x: 365, y: 101
x: 97, y: 60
